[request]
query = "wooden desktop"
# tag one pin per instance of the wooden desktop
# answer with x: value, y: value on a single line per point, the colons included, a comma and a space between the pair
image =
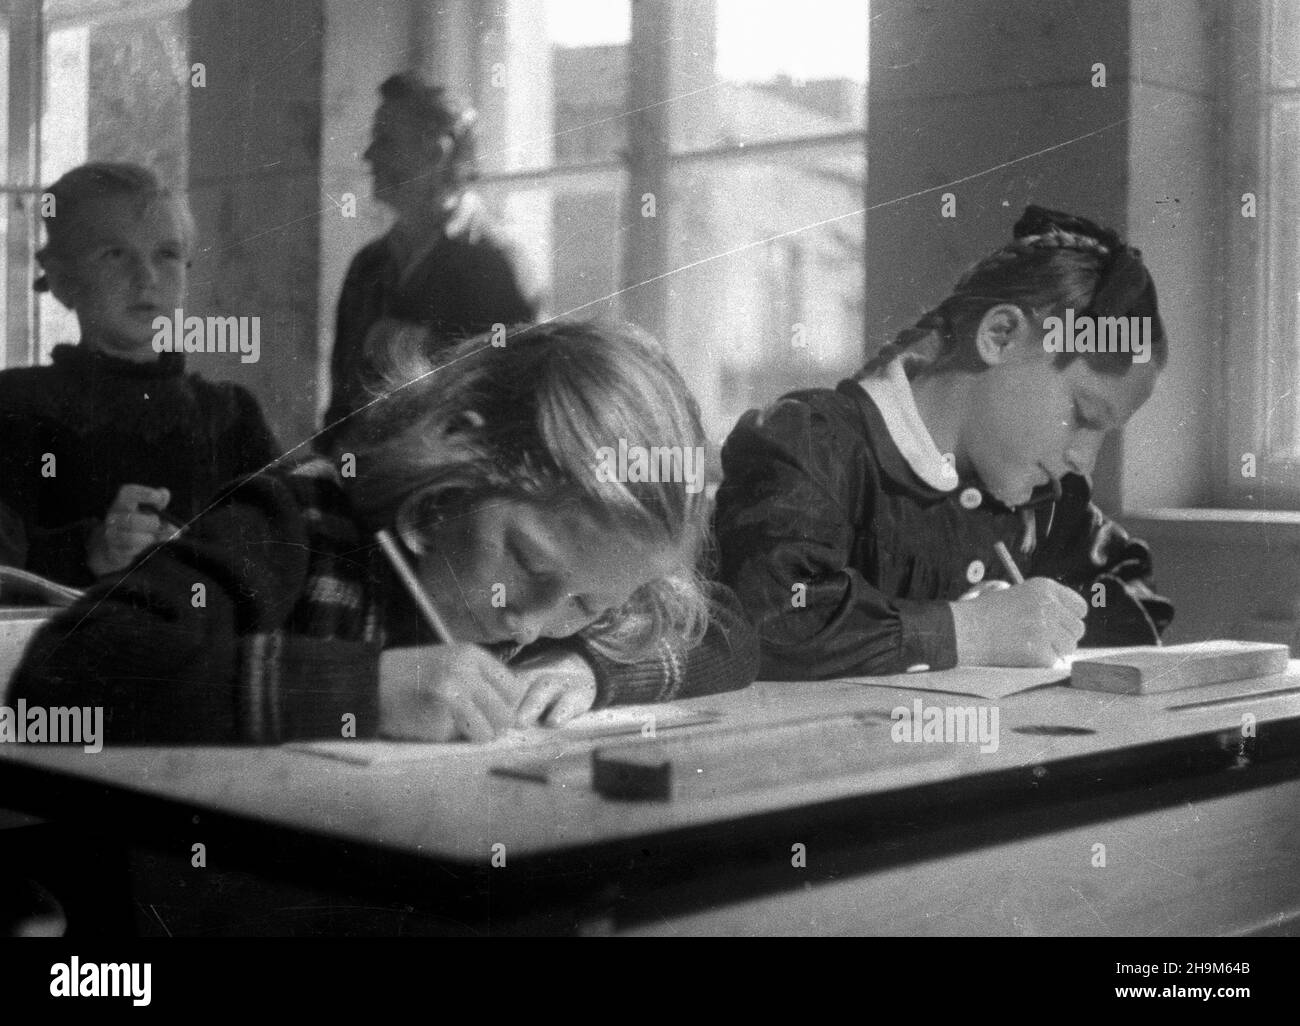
x: 793, y: 811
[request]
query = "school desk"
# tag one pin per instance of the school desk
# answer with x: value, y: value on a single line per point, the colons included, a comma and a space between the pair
x: 1097, y: 814
x: 17, y: 625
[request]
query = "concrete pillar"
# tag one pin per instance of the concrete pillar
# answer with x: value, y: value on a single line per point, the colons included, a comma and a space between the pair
x: 255, y: 176
x: 1178, y: 204
x: 648, y: 214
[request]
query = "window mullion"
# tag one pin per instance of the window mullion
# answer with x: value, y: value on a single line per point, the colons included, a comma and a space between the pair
x: 26, y: 46
x: 646, y: 208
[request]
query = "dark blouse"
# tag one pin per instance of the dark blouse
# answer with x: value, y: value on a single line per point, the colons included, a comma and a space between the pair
x: 459, y: 288
x: 847, y: 560
x: 76, y: 430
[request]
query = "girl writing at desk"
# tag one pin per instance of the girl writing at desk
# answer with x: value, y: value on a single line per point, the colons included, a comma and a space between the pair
x: 853, y: 522
x: 562, y: 586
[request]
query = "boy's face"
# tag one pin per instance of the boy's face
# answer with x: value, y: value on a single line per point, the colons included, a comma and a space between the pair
x: 404, y: 159
x: 129, y: 267
x: 1031, y: 422
x: 514, y: 571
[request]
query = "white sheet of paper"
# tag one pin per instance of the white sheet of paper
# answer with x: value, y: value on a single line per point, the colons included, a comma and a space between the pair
x: 987, y: 682
x: 618, y: 722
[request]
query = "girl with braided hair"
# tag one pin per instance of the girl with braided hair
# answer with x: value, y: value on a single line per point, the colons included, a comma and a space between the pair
x: 858, y: 524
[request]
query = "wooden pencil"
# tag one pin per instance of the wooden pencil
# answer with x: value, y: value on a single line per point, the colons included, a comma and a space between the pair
x: 414, y: 588
x: 1013, y: 571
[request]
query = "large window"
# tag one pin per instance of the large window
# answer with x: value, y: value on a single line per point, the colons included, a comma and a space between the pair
x: 102, y: 80
x: 696, y: 166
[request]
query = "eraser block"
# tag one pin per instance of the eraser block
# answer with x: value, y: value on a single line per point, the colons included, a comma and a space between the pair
x: 1147, y: 671
x: 632, y: 773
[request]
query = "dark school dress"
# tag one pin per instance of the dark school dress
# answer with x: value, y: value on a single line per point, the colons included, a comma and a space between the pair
x: 846, y: 560
x: 458, y: 288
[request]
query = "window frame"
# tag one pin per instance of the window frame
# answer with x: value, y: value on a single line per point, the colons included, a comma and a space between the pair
x: 19, y: 187
x: 650, y: 162
x: 31, y: 23
x: 481, y: 51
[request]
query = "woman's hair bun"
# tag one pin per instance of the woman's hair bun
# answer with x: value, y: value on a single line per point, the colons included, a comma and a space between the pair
x: 1040, y: 223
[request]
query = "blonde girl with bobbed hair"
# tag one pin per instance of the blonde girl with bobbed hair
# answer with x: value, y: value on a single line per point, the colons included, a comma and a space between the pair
x: 562, y: 586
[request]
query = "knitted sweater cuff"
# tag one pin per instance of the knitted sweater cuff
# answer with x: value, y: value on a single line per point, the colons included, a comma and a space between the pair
x: 652, y: 680
x: 302, y: 688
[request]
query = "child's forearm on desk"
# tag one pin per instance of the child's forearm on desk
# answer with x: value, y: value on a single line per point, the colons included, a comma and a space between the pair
x: 726, y: 659
x: 837, y: 624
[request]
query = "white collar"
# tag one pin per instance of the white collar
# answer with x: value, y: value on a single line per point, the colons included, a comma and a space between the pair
x: 890, y: 390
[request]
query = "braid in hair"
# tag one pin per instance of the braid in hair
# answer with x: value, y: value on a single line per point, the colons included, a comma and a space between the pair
x: 1055, y: 260
x: 1050, y: 228
x: 920, y: 346
x: 1059, y: 240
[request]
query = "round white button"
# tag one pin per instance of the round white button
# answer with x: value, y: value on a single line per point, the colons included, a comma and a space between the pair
x: 970, y: 498
x: 975, y: 572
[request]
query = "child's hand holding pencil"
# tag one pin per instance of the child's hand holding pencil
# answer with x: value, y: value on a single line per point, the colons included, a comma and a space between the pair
x: 1025, y: 623
x: 557, y: 687
x: 447, y: 691
x: 453, y: 692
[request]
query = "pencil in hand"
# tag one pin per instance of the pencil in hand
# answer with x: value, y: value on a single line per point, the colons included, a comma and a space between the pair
x: 414, y: 588
x: 1008, y: 563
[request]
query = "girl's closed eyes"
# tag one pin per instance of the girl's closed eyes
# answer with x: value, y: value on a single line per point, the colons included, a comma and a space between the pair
x: 542, y: 573
x: 510, y: 570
